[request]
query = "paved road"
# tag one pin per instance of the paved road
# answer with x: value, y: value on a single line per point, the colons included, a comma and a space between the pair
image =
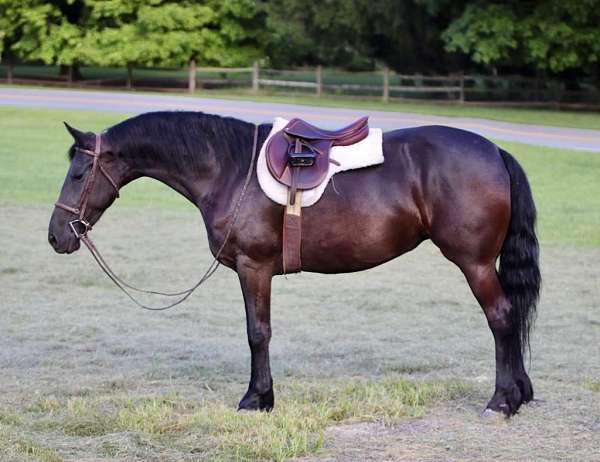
x: 326, y: 117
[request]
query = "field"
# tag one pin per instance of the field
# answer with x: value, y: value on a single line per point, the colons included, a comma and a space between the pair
x: 390, y: 364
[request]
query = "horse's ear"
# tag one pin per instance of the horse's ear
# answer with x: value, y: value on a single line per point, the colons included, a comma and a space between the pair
x: 80, y: 137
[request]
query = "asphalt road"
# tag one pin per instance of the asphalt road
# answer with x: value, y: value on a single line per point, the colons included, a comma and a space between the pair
x: 326, y: 117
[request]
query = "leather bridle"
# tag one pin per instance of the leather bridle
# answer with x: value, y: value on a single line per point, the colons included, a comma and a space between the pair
x: 125, y: 287
x: 81, y: 207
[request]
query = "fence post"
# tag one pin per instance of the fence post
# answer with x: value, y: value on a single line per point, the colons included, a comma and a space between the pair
x: 461, y: 95
x: 192, y: 76
x: 129, y: 76
x: 386, y: 84
x: 70, y: 73
x: 9, y: 71
x: 255, y: 74
x: 319, y: 81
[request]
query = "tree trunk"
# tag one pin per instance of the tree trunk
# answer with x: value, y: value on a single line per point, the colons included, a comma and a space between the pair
x: 192, y: 77
x: 129, y: 76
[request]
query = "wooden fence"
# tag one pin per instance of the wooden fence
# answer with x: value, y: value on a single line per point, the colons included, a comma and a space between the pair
x: 384, y: 84
x: 452, y: 86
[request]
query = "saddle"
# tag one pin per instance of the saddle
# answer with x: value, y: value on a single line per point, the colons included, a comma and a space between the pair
x: 298, y: 157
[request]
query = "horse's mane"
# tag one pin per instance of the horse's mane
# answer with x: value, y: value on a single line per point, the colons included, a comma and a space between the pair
x: 179, y: 140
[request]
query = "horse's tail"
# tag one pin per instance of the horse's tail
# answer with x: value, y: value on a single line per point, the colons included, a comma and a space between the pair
x: 519, y: 267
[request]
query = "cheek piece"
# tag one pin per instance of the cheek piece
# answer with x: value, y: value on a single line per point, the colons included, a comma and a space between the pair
x: 81, y: 226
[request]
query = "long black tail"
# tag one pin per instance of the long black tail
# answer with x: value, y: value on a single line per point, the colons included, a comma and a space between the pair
x: 519, y: 266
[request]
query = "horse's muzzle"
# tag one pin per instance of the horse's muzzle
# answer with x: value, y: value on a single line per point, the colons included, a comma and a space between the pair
x: 67, y: 245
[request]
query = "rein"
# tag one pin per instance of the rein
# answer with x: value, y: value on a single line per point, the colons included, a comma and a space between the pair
x: 83, y: 236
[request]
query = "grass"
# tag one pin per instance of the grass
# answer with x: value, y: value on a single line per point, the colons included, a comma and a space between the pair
x: 391, y: 364
x: 593, y: 385
x: 294, y: 429
x: 564, y: 182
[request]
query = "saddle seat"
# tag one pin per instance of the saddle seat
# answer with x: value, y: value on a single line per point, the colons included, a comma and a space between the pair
x: 342, y: 137
x: 298, y: 155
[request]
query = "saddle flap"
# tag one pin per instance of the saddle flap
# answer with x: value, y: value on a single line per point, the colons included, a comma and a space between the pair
x: 280, y: 164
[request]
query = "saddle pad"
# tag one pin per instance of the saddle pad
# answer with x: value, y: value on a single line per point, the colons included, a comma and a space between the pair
x: 367, y: 152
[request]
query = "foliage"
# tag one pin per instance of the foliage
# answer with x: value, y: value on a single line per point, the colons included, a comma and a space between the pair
x: 362, y: 33
x: 170, y: 33
x: 553, y: 35
x: 408, y: 35
x: 41, y: 30
x: 118, y: 32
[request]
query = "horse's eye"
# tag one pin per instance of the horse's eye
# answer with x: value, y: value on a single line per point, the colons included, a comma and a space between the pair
x: 78, y: 175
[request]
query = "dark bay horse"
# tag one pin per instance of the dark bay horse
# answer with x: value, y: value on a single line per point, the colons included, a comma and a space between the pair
x: 454, y: 187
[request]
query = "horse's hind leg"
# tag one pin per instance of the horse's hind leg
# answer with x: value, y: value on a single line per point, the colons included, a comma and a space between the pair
x: 513, y: 386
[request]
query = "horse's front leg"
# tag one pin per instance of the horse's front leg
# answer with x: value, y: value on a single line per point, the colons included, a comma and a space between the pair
x: 255, y: 280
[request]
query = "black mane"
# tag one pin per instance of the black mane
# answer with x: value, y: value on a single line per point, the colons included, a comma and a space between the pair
x: 179, y: 140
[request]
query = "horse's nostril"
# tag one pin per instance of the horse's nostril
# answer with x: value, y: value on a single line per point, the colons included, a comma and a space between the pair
x: 52, y: 240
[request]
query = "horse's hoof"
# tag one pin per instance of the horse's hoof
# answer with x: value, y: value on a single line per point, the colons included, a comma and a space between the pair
x: 253, y: 401
x: 490, y: 415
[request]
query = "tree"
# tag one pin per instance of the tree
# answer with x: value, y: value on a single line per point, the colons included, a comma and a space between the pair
x: 358, y: 34
x: 170, y: 33
x: 552, y: 35
x: 136, y: 32
x: 40, y: 30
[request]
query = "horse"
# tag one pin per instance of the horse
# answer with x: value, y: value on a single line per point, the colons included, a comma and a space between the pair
x: 456, y: 188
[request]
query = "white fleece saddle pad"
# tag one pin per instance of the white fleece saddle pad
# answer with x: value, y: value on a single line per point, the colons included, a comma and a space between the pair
x: 367, y: 152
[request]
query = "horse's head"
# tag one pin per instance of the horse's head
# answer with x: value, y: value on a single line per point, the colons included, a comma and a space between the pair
x: 91, y: 185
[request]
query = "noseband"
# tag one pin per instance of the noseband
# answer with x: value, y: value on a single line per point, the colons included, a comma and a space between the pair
x: 81, y: 207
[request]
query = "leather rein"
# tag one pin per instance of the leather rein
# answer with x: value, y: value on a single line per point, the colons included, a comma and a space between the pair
x: 83, y: 236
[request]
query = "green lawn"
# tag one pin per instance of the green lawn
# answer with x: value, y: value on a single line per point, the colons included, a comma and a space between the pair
x: 564, y: 182
x: 390, y: 364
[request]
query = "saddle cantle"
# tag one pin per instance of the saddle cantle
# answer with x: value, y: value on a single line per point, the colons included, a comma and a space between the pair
x: 298, y: 157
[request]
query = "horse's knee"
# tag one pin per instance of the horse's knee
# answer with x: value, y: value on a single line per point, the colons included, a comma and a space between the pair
x: 259, y: 335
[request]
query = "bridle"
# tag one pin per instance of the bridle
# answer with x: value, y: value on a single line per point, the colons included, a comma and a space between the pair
x: 83, y: 236
x: 81, y: 207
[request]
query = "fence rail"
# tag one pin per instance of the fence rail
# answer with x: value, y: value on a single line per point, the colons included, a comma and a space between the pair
x: 385, y: 84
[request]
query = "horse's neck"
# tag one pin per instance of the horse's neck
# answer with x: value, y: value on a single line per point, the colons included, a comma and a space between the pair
x: 209, y: 186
